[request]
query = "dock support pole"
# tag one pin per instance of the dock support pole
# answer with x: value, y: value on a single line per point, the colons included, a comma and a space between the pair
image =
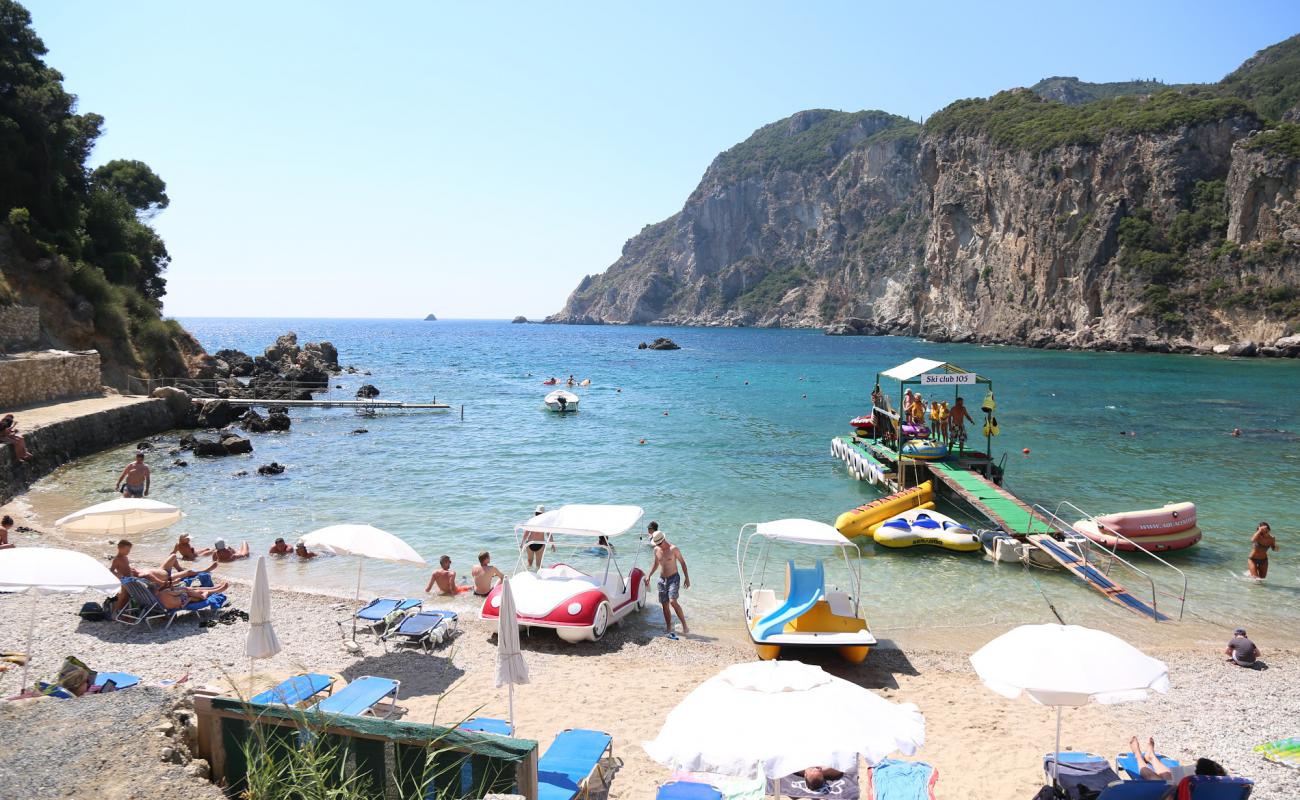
x: 462, y: 412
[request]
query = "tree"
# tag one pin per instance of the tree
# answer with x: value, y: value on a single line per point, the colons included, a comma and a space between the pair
x: 139, y: 185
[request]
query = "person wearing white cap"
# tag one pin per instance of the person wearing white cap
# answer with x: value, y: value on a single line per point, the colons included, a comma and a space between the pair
x: 223, y: 553
x: 535, y: 543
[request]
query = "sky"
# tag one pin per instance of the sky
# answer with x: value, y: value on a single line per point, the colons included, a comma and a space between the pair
x: 476, y: 160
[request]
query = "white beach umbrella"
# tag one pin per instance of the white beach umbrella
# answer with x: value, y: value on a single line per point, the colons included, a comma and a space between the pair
x: 1068, y: 665
x: 262, y: 641
x: 784, y: 716
x: 49, y: 569
x: 511, y: 668
x: 363, y: 541
x: 125, y: 516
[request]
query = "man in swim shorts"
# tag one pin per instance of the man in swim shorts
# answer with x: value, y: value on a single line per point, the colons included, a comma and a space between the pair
x: 666, y: 559
x: 958, y: 416
x: 484, y: 573
x: 535, y: 543
x: 1260, y: 544
x: 1241, y: 650
x: 134, y: 480
x: 443, y: 577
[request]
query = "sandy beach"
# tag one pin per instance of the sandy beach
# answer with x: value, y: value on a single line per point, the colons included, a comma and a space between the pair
x: 983, y: 746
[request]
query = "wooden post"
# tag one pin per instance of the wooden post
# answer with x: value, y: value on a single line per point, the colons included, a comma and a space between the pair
x: 526, y: 776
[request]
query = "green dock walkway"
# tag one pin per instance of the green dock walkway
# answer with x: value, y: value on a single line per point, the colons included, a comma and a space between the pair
x: 1001, y: 507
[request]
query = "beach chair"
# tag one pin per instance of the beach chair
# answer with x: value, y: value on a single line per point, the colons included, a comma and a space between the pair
x: 1137, y: 790
x: 1080, y: 772
x: 687, y: 790
x: 374, y: 617
x: 893, y: 779
x: 1212, y: 787
x: 146, y: 607
x: 296, y: 690
x: 361, y: 696
x: 565, y: 769
x: 1127, y: 764
x: 423, y: 630
x: 487, y: 725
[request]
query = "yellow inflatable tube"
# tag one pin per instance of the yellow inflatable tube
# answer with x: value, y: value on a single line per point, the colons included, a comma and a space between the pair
x: 857, y: 521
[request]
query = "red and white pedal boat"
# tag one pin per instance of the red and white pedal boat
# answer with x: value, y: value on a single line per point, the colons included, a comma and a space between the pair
x: 581, y: 596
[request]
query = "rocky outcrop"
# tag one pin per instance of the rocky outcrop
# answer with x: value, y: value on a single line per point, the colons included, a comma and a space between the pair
x: 284, y: 371
x: 519, y: 320
x: 1174, y: 226
x: 662, y: 343
x: 431, y: 318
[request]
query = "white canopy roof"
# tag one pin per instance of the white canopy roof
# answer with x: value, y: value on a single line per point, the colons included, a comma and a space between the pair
x: 801, y: 531
x: 919, y: 366
x: 52, y: 569
x: 585, y: 520
x: 122, y: 517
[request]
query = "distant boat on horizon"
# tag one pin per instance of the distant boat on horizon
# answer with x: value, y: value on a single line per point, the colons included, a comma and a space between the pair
x: 431, y: 318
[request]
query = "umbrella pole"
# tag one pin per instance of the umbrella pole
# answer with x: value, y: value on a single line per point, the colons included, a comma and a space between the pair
x: 512, y: 709
x: 1056, y: 754
x: 360, y: 562
x: 27, y: 651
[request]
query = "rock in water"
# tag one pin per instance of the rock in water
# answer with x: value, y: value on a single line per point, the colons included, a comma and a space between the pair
x: 278, y: 421
x: 273, y: 468
x: 253, y: 422
x: 662, y: 343
x: 367, y: 392
x: 431, y: 318
x: 519, y: 320
x: 236, y: 445
x: 207, y: 447
x: 217, y: 414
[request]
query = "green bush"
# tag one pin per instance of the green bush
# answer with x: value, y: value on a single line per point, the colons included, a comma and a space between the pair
x: 768, y: 292
x: 1284, y: 140
x: 775, y: 147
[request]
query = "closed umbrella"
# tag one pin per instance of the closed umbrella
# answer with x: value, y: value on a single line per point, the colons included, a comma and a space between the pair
x: 511, y: 667
x: 1068, y: 665
x: 363, y: 541
x: 785, y: 716
x: 262, y: 641
x: 49, y: 569
x: 125, y: 516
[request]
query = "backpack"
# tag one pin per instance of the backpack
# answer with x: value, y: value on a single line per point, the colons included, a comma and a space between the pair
x: 93, y: 612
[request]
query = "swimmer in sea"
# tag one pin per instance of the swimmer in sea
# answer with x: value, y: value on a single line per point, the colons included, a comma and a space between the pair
x: 1260, y: 544
x: 1236, y: 431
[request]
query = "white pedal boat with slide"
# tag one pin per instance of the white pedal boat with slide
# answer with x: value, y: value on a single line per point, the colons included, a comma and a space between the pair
x: 582, y: 595
x: 561, y: 401
x: 810, y: 613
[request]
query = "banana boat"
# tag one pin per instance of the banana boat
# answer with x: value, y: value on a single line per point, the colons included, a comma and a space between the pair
x: 857, y: 521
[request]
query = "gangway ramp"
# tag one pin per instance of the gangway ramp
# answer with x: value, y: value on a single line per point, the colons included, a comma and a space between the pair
x: 1002, y: 508
x: 1089, y: 574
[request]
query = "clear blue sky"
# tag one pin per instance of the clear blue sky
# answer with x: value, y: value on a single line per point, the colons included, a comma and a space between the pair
x: 477, y: 159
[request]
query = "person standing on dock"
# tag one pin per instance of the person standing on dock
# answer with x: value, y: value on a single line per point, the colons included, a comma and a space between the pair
x: 134, y: 480
x: 666, y: 559
x: 958, y: 416
x: 1260, y: 544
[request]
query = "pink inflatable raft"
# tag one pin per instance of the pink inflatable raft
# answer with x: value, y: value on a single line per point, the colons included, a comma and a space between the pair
x: 1170, y: 527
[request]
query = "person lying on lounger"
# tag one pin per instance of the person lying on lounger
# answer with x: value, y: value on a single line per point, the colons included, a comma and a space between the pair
x: 1150, y: 767
x: 223, y: 553
x: 181, y: 596
x: 816, y: 777
x: 160, y: 577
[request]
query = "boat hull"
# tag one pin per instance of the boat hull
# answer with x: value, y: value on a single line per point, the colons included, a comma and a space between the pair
x: 1157, y: 542
x: 1170, y: 518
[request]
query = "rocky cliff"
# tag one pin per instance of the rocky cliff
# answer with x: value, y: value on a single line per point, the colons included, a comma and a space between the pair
x: 1150, y: 221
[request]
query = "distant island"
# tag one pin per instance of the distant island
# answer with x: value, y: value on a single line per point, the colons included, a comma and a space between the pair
x: 519, y: 320
x: 431, y: 318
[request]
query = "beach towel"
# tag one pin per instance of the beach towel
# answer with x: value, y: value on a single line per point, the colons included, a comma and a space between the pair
x: 845, y: 788
x: 1082, y: 779
x: 892, y: 779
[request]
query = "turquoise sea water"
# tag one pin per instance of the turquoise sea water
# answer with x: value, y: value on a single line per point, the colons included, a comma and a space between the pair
x: 737, y: 427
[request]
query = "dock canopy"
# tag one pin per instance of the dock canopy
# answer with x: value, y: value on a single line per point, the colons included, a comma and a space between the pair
x: 584, y: 520
x: 920, y: 366
x: 801, y: 531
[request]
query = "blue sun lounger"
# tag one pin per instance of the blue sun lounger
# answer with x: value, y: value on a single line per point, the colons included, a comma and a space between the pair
x: 419, y: 630
x: 1137, y: 790
x: 374, y: 615
x: 361, y: 696
x: 296, y: 690
x: 687, y: 790
x: 487, y: 725
x: 565, y: 769
x: 1210, y: 787
x: 1127, y: 764
x: 145, y: 606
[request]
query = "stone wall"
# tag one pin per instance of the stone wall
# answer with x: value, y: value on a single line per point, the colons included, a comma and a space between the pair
x: 60, y: 442
x: 30, y: 378
x: 20, y: 328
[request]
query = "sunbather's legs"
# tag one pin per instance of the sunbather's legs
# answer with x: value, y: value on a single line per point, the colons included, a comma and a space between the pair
x: 1149, y: 767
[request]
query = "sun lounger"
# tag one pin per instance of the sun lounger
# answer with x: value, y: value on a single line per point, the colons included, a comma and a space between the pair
x: 1086, y: 770
x: 360, y: 697
x: 1210, y: 787
x: 687, y: 790
x: 565, y: 769
x: 296, y: 690
x: 892, y: 779
x: 374, y: 616
x: 146, y: 607
x: 117, y: 680
x: 423, y: 629
x: 1137, y: 790
x: 487, y: 725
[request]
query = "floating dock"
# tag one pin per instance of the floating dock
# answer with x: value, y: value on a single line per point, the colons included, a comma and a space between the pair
x: 244, y: 402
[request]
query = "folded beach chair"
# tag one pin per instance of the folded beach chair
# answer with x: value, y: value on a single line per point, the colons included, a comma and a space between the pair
x: 376, y: 616
x: 487, y: 725
x: 146, y: 607
x: 1211, y: 787
x: 1128, y: 766
x: 361, y: 696
x: 423, y: 629
x: 565, y: 769
x: 296, y: 690
x: 1080, y: 773
x: 1137, y: 790
x: 892, y: 779
x: 687, y: 790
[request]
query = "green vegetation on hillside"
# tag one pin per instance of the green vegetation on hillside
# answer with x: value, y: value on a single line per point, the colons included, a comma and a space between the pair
x: 1022, y: 120
x: 1270, y: 79
x: 1284, y: 140
x: 768, y: 292
x: 92, y: 226
x: 810, y: 140
x: 1073, y: 91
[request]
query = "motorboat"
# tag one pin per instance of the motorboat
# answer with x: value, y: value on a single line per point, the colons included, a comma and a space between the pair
x: 580, y: 596
x: 925, y: 526
x: 807, y: 612
x: 561, y: 401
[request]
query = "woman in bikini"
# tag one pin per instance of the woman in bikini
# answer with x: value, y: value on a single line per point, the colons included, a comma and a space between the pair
x: 1260, y: 544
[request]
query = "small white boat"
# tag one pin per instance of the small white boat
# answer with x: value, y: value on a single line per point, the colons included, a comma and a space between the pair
x: 561, y: 401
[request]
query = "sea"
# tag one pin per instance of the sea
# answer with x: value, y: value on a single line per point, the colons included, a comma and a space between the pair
x: 735, y: 428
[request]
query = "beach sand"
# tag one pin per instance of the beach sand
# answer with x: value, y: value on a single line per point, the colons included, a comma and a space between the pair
x: 983, y: 745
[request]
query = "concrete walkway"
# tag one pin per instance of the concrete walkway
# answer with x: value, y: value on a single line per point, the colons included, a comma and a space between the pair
x: 35, y: 417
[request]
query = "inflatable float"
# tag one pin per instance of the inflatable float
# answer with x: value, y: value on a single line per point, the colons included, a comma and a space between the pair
x: 919, y: 526
x: 915, y: 431
x: 925, y: 449
x: 857, y: 521
x: 1170, y: 527
x: 863, y: 425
